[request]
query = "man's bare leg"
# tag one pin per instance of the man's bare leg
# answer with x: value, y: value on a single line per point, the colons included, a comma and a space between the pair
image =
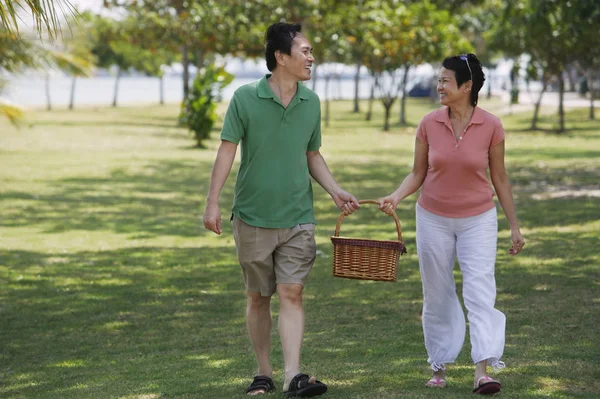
x: 258, y: 321
x: 291, y: 328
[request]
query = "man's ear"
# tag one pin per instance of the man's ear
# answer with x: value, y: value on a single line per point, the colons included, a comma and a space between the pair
x: 279, y: 57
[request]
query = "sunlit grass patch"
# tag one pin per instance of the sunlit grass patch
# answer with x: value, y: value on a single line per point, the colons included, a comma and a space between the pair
x: 70, y: 363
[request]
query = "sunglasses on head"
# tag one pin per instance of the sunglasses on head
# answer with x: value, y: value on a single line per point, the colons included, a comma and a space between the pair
x: 466, y: 59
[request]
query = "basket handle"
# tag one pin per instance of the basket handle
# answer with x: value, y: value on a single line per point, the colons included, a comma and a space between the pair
x: 398, y: 228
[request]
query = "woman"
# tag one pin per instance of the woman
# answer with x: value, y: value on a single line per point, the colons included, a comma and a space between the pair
x: 456, y: 218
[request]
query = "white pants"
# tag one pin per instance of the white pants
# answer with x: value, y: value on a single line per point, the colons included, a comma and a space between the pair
x: 440, y: 240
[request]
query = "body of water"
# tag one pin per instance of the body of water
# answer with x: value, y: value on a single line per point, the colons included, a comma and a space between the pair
x: 30, y: 91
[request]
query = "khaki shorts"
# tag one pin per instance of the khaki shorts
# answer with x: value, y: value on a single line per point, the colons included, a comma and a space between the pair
x: 274, y: 256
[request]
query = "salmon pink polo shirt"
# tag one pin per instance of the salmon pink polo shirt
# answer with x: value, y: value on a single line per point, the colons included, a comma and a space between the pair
x: 456, y: 184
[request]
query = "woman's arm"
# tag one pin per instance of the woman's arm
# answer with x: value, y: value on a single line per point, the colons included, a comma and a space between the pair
x: 411, y: 182
x: 504, y: 193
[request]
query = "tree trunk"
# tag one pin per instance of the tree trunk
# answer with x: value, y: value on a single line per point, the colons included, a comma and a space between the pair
x: 327, y: 78
x: 591, y: 90
x: 489, y: 92
x: 514, y: 85
x: 339, y: 86
x: 561, y: 110
x: 72, y: 99
x: 199, y: 59
x: 538, y: 103
x: 433, y: 94
x: 162, y: 89
x: 313, y: 78
x: 371, y: 99
x: 387, y: 104
x: 114, y: 104
x: 572, y: 79
x: 48, y: 100
x: 403, y: 101
x: 185, y: 61
x: 356, y: 88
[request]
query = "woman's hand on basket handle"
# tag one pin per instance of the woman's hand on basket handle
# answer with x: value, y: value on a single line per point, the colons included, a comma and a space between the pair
x: 388, y: 204
x: 411, y: 182
x: 345, y: 201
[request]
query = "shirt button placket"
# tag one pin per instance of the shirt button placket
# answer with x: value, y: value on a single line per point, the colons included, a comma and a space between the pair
x: 460, y: 137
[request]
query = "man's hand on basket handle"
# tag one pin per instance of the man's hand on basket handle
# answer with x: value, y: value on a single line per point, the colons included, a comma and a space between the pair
x: 388, y: 204
x: 345, y: 201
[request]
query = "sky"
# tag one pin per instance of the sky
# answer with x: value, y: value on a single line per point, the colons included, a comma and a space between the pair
x: 90, y: 5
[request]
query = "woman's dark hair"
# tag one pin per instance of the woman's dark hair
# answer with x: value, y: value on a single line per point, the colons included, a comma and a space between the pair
x: 279, y: 36
x: 460, y: 64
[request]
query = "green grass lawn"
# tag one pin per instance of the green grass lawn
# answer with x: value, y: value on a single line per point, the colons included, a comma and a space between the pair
x: 111, y: 288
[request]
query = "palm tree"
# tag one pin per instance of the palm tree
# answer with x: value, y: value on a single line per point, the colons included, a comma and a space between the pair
x: 45, y: 13
x: 13, y: 112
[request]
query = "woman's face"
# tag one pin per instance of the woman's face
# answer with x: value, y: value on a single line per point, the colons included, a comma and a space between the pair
x: 448, y: 90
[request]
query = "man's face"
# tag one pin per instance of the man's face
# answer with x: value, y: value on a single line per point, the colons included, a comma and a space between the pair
x: 299, y: 62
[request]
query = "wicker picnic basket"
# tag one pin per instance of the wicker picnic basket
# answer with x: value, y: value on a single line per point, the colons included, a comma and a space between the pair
x: 365, y: 259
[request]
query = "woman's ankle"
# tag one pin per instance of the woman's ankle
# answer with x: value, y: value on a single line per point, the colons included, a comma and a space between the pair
x: 441, y: 374
x: 480, y: 369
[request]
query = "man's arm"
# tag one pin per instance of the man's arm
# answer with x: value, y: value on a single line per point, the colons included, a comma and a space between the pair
x: 220, y: 172
x: 320, y: 172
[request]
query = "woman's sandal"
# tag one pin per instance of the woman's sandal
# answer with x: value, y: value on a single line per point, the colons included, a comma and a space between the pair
x: 436, y: 383
x: 261, y: 382
x: 487, y: 388
x: 301, y: 387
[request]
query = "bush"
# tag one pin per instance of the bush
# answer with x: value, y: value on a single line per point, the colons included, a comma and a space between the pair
x: 198, y: 110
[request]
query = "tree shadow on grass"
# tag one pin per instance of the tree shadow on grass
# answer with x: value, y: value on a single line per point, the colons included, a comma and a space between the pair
x: 555, y: 153
x: 557, y: 211
x: 170, y: 321
x: 576, y: 121
x: 115, y: 321
x: 163, y: 199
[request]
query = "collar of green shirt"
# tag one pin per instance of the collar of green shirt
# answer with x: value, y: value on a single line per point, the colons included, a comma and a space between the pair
x: 264, y: 91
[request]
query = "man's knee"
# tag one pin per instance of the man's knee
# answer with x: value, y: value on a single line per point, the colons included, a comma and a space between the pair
x: 290, y: 293
x: 258, y: 302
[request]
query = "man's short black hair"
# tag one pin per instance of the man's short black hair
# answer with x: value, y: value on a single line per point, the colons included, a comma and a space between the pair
x: 458, y: 64
x: 279, y: 37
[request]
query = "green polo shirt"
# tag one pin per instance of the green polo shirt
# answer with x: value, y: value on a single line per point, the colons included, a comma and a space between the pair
x: 273, y: 187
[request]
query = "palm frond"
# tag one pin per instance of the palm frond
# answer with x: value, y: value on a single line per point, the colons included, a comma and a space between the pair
x: 70, y: 63
x: 11, y: 111
x: 46, y: 14
x: 8, y: 14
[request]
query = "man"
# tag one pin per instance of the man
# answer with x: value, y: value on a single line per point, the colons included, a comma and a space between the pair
x: 277, y: 122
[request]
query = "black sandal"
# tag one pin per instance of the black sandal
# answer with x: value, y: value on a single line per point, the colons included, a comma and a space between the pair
x: 261, y: 382
x: 300, y: 387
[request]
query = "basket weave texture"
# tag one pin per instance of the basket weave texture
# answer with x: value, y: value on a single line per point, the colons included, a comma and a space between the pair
x: 366, y: 259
